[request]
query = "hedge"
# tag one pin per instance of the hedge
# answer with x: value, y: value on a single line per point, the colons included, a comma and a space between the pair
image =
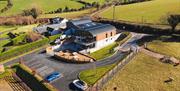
x: 22, y: 49
x: 32, y: 81
x: 19, y: 39
x: 54, y: 37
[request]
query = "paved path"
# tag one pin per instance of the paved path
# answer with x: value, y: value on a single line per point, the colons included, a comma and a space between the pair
x: 157, y: 55
x: 70, y: 70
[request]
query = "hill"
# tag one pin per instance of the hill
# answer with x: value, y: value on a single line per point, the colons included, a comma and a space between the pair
x: 149, y: 12
x: 44, y: 5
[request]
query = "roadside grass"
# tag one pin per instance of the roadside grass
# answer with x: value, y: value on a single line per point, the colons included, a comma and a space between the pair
x: 148, y: 12
x: 109, y: 50
x: 68, y: 15
x: 166, y: 48
x: 145, y: 73
x: 44, y: 5
x: 92, y: 75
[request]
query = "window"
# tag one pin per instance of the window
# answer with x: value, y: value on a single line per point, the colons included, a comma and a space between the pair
x: 106, y: 35
x: 111, y: 34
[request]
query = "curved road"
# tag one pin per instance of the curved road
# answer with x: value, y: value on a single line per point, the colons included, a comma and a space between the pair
x: 70, y: 71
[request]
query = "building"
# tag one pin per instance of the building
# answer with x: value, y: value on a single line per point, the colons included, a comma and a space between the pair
x: 92, y: 36
x: 54, y: 27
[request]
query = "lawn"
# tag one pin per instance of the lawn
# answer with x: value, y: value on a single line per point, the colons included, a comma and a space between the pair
x: 6, y: 28
x: 3, y: 42
x: 167, y: 48
x: 149, y: 12
x: 105, y: 52
x: 45, y: 5
x: 91, y: 76
x: 145, y: 73
x: 15, y: 29
x: 68, y: 14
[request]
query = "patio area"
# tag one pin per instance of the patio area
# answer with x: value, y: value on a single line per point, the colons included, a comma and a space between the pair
x: 75, y: 57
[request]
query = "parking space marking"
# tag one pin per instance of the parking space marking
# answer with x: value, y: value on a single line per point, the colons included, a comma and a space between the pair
x: 41, y: 69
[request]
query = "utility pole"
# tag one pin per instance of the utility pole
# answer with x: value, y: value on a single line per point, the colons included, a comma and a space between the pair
x: 114, y: 12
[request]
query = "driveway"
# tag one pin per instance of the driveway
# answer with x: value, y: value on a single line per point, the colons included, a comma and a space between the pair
x: 70, y: 71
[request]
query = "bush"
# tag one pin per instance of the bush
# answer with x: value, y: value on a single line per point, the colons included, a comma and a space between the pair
x: 19, y: 39
x: 54, y: 37
x: 22, y: 49
x: 32, y: 81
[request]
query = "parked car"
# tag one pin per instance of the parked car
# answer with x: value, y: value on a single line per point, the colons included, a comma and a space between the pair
x: 80, y: 84
x: 53, y: 76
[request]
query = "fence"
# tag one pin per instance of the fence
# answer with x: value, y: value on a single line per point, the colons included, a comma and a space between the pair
x: 25, y: 87
x: 101, y: 82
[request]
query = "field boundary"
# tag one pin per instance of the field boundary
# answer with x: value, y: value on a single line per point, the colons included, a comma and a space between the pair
x: 101, y: 82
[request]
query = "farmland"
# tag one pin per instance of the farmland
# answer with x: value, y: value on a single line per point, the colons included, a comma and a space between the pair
x: 2, y: 4
x: 68, y: 14
x: 166, y: 48
x: 99, y: 1
x: 145, y: 73
x: 148, y: 12
x: 44, y: 5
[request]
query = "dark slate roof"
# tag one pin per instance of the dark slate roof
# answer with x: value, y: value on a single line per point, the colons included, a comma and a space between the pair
x: 80, y: 21
x: 96, y: 28
x: 100, y: 29
x: 92, y: 27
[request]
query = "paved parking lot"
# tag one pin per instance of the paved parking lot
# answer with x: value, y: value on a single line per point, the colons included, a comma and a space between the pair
x: 42, y: 69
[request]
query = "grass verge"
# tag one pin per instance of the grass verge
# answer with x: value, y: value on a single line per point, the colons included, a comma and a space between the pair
x: 93, y: 75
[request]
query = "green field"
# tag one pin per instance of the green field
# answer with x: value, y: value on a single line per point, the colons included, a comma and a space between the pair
x: 148, y: 12
x: 68, y: 14
x: 167, y: 48
x: 99, y: 1
x: 45, y: 5
x: 145, y: 73
x: 3, y: 4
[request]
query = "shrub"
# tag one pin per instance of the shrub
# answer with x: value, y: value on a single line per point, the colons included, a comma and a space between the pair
x: 54, y: 37
x: 27, y: 77
x: 19, y: 39
x: 22, y: 49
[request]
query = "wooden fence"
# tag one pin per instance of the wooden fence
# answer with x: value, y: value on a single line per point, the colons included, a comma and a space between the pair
x: 101, y: 82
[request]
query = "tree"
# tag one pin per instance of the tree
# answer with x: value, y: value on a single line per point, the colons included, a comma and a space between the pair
x: 9, y: 3
x: 173, y: 21
x: 66, y: 9
x: 35, y: 12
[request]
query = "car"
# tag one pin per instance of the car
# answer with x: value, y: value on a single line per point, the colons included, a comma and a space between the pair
x: 53, y: 76
x: 80, y: 84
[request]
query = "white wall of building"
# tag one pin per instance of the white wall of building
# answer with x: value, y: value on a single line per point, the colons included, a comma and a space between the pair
x: 103, y: 43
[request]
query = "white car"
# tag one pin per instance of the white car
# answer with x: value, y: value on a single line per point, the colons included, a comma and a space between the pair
x: 80, y: 84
